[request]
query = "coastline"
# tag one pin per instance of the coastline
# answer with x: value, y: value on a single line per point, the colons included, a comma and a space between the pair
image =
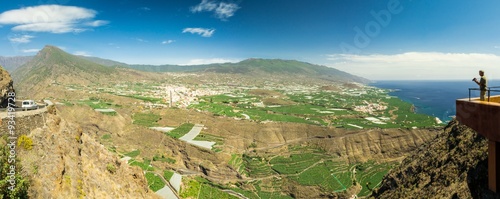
x: 435, y: 98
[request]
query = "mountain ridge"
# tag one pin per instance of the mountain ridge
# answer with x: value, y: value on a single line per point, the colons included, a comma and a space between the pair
x: 256, y: 66
x: 259, y: 66
x: 12, y: 63
x: 252, y: 66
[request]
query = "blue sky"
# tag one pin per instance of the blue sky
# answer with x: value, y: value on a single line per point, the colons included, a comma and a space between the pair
x: 377, y: 39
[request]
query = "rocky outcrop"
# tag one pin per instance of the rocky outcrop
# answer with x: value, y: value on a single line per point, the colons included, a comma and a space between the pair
x: 6, y: 85
x: 66, y: 162
x: 453, y: 165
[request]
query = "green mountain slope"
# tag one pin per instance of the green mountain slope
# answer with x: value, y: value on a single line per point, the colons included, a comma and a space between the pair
x: 288, y: 67
x: 168, y: 68
x: 104, y: 62
x: 261, y: 67
x: 52, y: 64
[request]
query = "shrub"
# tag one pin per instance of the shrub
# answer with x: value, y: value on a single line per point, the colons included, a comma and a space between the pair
x: 111, y: 168
x: 25, y: 142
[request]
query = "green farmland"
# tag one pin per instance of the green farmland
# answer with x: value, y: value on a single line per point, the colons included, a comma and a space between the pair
x: 339, y: 109
x: 309, y: 167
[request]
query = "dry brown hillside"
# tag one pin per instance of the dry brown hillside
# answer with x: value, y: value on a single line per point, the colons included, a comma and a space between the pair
x: 453, y: 165
x: 67, y: 162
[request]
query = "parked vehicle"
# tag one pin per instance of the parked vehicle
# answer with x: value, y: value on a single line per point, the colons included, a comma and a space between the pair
x: 29, y: 104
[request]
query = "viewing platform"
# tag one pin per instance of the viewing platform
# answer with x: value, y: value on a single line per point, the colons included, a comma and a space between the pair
x: 484, y: 118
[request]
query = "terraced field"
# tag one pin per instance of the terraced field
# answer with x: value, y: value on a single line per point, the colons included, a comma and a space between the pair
x: 257, y: 166
x: 370, y: 175
x: 329, y: 175
x: 237, y: 163
x: 266, y: 175
x: 309, y: 167
x: 294, y: 164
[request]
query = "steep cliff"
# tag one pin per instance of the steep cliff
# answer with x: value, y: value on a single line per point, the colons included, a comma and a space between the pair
x: 453, y: 165
x: 6, y: 84
x: 66, y: 162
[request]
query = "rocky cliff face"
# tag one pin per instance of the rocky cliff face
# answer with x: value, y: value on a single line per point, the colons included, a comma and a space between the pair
x: 453, y: 165
x: 6, y: 84
x: 66, y: 162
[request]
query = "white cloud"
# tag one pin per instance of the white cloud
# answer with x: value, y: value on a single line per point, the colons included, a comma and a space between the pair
x: 30, y: 50
x: 417, y: 65
x: 51, y: 18
x: 497, y: 47
x: 204, y: 32
x: 222, y: 10
x: 168, y: 41
x: 97, y: 23
x: 21, y: 39
x: 205, y: 5
x: 82, y: 53
x: 226, y: 10
x: 145, y: 8
x: 209, y: 61
x: 48, y: 27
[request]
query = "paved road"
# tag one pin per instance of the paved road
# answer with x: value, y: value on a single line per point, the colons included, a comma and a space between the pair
x: 48, y: 102
x: 20, y: 112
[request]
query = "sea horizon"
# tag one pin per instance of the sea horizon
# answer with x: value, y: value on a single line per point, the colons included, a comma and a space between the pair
x: 433, y: 97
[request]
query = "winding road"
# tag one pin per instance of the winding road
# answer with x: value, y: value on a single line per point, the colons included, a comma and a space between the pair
x: 23, y: 112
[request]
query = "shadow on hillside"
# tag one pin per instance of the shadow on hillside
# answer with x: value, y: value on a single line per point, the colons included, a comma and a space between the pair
x: 477, y: 180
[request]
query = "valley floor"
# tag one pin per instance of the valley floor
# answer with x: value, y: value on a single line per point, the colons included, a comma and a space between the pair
x: 260, y: 141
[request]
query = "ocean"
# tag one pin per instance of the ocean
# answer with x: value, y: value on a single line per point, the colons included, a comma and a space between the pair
x: 435, y: 98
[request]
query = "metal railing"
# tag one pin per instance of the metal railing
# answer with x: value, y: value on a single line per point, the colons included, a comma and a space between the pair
x: 489, y: 90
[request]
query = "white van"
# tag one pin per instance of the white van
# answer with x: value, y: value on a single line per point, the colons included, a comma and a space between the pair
x: 29, y: 104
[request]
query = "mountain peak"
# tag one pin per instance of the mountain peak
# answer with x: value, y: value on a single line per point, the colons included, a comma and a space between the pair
x: 49, y: 48
x: 53, y: 64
